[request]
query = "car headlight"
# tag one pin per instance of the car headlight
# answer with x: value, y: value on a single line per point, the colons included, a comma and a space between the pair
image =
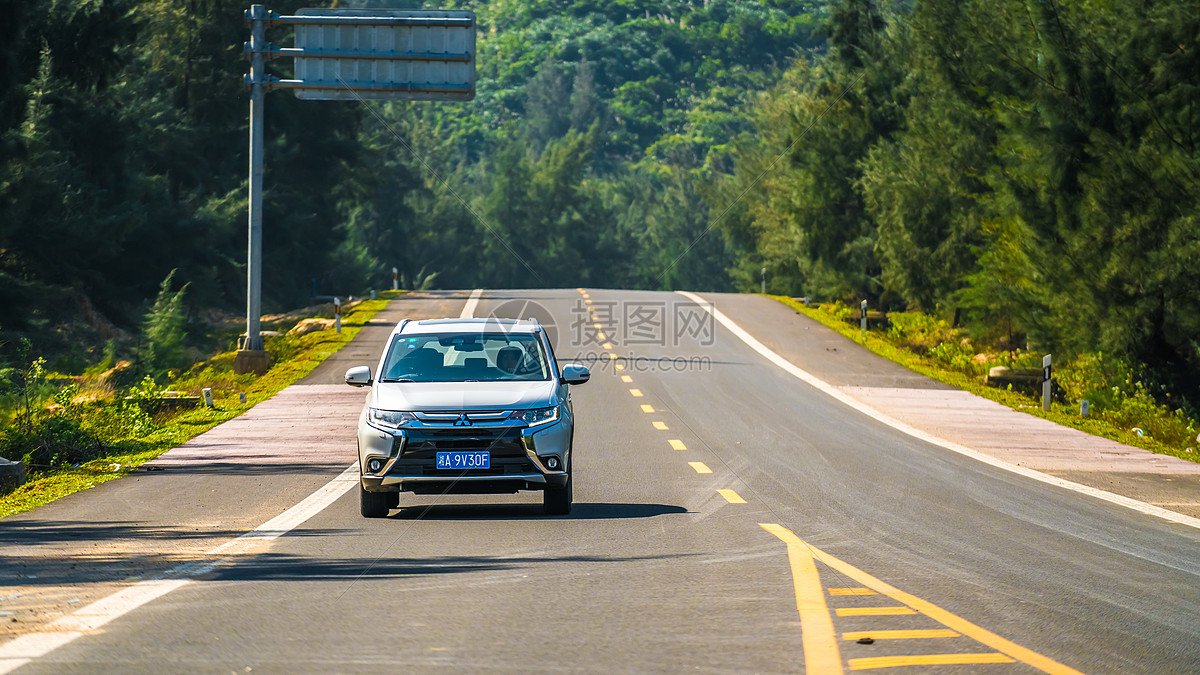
x: 536, y: 416
x: 389, y: 419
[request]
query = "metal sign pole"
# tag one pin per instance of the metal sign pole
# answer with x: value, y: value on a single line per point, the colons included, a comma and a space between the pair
x: 258, y: 77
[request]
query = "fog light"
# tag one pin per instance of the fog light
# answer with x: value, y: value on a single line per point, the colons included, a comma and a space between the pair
x: 552, y: 462
x: 374, y: 465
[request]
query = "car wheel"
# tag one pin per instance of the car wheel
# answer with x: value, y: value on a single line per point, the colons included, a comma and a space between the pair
x: 556, y: 501
x: 374, y: 504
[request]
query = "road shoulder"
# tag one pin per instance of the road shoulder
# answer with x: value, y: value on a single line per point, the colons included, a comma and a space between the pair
x: 963, y: 418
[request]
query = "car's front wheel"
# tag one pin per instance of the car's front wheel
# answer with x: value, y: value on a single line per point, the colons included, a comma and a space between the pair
x: 375, y: 504
x: 556, y: 501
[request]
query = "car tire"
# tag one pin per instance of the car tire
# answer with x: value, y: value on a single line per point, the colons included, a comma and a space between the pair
x: 374, y: 504
x: 556, y: 501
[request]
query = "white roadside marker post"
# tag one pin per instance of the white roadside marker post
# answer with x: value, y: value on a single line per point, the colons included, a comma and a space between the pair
x: 1046, y: 375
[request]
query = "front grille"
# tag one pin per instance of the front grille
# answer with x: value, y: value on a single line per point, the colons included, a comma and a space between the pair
x: 422, y: 445
x: 502, y: 442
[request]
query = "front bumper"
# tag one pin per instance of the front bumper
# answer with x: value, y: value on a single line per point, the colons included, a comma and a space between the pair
x: 519, y: 457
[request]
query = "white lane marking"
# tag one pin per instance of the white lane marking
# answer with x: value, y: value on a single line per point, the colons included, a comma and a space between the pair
x: 25, y: 648
x: 468, y: 311
x: 293, y: 517
x: 792, y: 369
x: 29, y: 647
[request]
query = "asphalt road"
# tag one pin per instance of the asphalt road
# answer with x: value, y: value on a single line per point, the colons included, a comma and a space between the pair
x: 935, y: 557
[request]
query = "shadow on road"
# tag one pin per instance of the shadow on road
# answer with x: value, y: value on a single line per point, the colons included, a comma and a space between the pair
x: 250, y: 465
x: 42, y: 532
x: 580, y: 511
x: 277, y: 567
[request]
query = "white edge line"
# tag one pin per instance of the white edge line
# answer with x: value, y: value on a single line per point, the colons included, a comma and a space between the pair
x: 23, y: 649
x: 770, y: 355
x: 468, y: 311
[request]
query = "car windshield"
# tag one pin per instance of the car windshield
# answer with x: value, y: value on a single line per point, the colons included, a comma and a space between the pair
x: 465, y: 357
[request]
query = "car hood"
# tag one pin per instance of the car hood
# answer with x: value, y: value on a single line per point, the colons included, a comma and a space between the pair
x: 431, y: 396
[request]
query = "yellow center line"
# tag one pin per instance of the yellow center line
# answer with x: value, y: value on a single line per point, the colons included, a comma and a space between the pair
x: 626, y: 379
x: 598, y: 326
x: 947, y: 619
x: 852, y: 591
x: 677, y: 444
x: 601, y: 335
x: 874, y: 611
x: 607, y: 345
x: 587, y: 300
x: 700, y: 467
x: 927, y: 660
x: 661, y: 426
x: 733, y: 498
x: 613, y: 357
x: 636, y: 393
x: 619, y: 366
x: 816, y: 625
x: 647, y: 408
x: 900, y: 634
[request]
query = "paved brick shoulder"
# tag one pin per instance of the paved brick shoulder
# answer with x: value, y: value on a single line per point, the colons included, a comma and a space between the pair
x: 963, y: 418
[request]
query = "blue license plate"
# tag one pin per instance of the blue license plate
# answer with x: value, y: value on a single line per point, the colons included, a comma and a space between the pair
x: 464, y: 460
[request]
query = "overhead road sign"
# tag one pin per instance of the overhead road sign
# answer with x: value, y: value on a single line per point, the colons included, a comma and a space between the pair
x: 349, y: 54
x: 383, y: 54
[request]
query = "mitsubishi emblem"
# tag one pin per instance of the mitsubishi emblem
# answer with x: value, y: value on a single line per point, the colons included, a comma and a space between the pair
x: 462, y: 421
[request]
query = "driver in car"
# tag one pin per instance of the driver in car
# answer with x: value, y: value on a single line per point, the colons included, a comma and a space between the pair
x: 508, y: 359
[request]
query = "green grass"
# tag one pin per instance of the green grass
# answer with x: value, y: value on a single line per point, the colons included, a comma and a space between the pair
x: 303, y: 355
x: 1060, y: 413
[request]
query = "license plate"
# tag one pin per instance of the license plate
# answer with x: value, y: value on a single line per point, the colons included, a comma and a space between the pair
x: 464, y: 460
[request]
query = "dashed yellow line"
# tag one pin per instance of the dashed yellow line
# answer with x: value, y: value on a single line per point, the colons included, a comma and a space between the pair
x: 900, y: 634
x: 607, y: 345
x: 700, y: 467
x: 636, y: 393
x: 677, y: 444
x: 619, y: 366
x: 601, y: 336
x: 731, y: 497
x: 613, y: 357
x: 852, y: 591
x: 647, y: 408
x: 626, y: 379
x: 661, y: 426
x: 927, y: 660
x: 874, y: 611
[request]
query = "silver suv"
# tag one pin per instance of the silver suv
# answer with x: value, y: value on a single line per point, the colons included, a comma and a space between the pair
x: 466, y: 406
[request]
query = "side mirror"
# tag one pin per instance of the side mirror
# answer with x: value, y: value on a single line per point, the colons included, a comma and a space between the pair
x: 359, y: 376
x: 573, y: 373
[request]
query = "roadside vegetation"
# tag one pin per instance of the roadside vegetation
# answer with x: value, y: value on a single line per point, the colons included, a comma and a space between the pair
x: 1026, y: 171
x: 75, y: 431
x: 1120, y: 406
